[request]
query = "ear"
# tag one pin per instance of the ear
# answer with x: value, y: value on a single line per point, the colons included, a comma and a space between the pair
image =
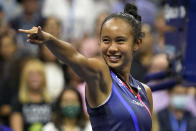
x: 137, y: 45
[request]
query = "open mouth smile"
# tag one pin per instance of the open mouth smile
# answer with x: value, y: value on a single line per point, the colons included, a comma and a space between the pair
x: 114, y: 58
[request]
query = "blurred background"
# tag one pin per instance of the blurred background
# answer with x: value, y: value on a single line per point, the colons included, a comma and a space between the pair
x: 40, y: 93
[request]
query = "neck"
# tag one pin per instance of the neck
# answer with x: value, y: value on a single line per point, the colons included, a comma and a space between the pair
x: 146, y: 59
x: 69, y: 122
x: 178, y: 113
x: 123, y: 74
x: 35, y: 97
x: 28, y: 16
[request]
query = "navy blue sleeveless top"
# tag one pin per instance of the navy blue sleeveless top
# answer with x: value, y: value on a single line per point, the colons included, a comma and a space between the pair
x: 123, y: 111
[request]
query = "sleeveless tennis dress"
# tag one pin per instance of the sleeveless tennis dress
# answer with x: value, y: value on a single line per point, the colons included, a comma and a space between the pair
x: 122, y: 111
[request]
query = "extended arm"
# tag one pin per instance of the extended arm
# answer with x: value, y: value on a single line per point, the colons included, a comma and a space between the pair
x: 94, y: 71
x: 64, y: 51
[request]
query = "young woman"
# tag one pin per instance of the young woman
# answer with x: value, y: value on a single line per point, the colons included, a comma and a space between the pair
x: 68, y: 113
x: 31, y: 108
x: 115, y: 100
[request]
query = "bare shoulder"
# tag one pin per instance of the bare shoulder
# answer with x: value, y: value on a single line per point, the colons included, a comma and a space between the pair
x: 99, y: 63
x: 100, y: 66
x: 149, y: 95
x: 147, y: 88
x: 89, y: 68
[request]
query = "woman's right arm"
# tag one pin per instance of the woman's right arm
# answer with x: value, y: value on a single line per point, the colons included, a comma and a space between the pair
x: 94, y: 71
x: 65, y: 52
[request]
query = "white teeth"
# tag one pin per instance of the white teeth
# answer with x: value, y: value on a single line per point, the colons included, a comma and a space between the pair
x: 114, y: 57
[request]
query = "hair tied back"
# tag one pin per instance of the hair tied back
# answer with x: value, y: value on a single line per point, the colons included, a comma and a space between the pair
x: 132, y: 10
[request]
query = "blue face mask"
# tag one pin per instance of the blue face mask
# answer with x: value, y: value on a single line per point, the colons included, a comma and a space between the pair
x: 179, y: 101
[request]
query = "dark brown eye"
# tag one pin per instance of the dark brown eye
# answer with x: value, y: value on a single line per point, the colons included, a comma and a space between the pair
x: 120, y: 40
x: 106, y: 40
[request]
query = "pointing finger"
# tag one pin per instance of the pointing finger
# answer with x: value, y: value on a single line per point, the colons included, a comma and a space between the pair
x: 24, y: 31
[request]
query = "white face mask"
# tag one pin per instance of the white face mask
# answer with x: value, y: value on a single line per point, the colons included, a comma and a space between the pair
x: 179, y: 101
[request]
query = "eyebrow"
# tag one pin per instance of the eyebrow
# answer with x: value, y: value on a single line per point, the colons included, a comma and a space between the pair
x: 105, y: 37
x: 121, y: 37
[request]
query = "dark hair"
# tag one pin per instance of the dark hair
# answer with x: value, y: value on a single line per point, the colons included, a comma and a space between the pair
x: 7, y: 34
x: 58, y: 116
x: 131, y: 16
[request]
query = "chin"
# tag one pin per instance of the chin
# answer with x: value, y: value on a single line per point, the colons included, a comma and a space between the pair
x: 114, y: 65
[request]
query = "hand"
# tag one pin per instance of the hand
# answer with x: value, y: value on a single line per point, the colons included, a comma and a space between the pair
x: 36, y: 35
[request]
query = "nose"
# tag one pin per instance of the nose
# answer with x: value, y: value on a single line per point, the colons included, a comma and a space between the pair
x: 112, y: 48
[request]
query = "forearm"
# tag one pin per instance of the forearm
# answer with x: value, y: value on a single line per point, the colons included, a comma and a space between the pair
x: 64, y: 51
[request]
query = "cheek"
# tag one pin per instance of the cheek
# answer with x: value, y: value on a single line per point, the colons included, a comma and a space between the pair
x: 103, y: 48
x: 126, y: 49
x: 127, y: 52
x: 35, y: 79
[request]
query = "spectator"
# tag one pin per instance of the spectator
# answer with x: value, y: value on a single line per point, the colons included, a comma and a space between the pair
x: 10, y: 69
x: 53, y: 26
x: 27, y: 19
x: 11, y: 8
x: 159, y: 63
x: 144, y: 55
x: 68, y: 113
x: 175, y: 117
x: 31, y: 108
x: 161, y: 28
x: 74, y: 15
x: 89, y: 46
x: 3, y: 23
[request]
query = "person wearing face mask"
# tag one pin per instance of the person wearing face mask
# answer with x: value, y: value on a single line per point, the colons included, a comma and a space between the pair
x: 175, y: 117
x: 68, y: 114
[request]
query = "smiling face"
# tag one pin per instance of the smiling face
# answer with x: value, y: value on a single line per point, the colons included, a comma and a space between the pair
x: 117, y: 44
x: 33, y: 76
x: 35, y: 80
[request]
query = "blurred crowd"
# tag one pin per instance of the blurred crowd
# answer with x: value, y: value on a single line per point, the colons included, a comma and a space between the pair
x: 40, y: 93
